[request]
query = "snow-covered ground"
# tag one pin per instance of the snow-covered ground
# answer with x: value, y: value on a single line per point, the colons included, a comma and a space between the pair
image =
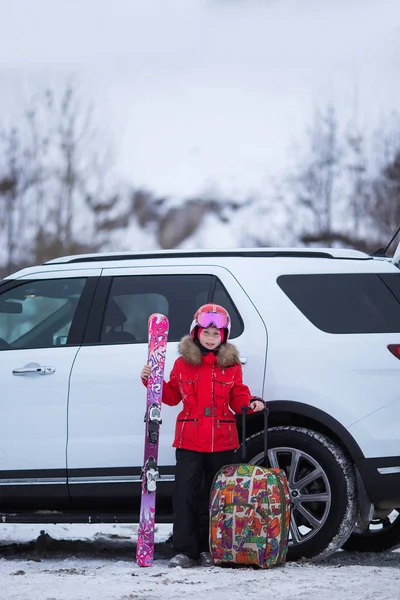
x: 97, y: 562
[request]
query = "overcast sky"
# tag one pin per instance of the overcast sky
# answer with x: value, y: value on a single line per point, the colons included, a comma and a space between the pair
x: 202, y: 93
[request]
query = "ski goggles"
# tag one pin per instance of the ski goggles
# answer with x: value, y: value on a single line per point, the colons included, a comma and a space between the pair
x: 210, y: 319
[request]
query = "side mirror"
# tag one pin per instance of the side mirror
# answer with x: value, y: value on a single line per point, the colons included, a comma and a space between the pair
x: 60, y: 340
x: 11, y: 308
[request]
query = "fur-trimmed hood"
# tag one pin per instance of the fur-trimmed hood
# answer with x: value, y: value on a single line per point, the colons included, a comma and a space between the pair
x: 228, y: 354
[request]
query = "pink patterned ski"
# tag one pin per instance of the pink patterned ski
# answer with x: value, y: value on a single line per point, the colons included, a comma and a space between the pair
x: 158, y: 337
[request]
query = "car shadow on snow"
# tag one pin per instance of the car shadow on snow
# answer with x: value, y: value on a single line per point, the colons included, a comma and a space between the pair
x: 364, y: 559
x: 103, y: 545
x: 118, y: 547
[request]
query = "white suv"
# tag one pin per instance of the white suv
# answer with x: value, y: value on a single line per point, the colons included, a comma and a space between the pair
x: 319, y: 336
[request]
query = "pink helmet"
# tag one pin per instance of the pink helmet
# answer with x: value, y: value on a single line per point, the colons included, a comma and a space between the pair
x: 211, y: 315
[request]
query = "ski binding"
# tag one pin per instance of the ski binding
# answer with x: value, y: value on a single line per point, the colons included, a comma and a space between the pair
x: 152, y: 474
x: 155, y: 421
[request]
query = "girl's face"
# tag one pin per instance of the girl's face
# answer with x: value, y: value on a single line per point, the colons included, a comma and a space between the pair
x: 210, y: 338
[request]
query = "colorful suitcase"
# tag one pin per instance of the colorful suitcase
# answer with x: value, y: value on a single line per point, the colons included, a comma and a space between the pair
x: 249, y: 512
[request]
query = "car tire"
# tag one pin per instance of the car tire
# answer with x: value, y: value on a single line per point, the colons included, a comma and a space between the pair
x: 321, y: 477
x: 381, y: 535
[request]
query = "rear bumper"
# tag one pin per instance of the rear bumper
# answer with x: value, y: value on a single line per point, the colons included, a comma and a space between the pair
x: 381, y: 478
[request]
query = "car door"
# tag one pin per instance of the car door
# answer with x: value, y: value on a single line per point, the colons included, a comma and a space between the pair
x: 41, y: 326
x: 107, y: 397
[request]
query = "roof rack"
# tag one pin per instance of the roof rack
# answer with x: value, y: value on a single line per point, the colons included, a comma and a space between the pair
x: 239, y: 252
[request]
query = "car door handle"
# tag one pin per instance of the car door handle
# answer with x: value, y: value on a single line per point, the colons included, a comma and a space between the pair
x: 243, y: 360
x: 34, y: 371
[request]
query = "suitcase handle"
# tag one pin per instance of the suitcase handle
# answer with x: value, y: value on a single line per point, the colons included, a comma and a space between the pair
x: 244, y: 414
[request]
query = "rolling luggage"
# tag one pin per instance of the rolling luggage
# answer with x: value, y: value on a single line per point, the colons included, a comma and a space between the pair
x: 249, y: 512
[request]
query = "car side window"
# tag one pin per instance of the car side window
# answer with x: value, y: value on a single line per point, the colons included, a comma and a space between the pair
x: 392, y: 281
x: 38, y: 314
x: 133, y: 298
x: 345, y: 302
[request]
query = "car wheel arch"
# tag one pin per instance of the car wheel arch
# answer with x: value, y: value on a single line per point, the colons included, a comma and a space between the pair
x: 299, y: 414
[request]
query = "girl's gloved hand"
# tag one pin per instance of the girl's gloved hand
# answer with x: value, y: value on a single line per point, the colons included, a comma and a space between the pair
x: 257, y: 404
x: 146, y: 372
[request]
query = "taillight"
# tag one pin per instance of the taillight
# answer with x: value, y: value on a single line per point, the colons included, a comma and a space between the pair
x: 394, y: 349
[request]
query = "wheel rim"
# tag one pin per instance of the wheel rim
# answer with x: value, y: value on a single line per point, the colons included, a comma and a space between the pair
x: 310, y: 492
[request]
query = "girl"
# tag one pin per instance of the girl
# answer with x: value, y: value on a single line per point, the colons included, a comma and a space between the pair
x: 207, y: 378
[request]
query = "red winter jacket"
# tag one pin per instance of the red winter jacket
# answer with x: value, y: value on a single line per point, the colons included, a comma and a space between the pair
x: 211, y: 390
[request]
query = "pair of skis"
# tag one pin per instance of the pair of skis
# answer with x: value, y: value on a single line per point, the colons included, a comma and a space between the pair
x: 158, y: 337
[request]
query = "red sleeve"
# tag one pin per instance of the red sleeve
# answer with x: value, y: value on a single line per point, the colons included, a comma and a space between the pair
x: 240, y: 393
x: 171, y: 393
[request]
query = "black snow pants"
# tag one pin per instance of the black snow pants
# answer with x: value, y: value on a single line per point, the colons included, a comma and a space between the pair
x: 195, y: 472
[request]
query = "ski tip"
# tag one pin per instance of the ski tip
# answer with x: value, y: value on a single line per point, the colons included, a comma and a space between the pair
x: 158, y: 317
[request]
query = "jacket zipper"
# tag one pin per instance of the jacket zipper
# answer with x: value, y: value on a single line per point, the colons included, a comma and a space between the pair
x: 184, y: 397
x: 184, y: 421
x: 212, y: 410
x: 230, y: 427
x: 180, y: 442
